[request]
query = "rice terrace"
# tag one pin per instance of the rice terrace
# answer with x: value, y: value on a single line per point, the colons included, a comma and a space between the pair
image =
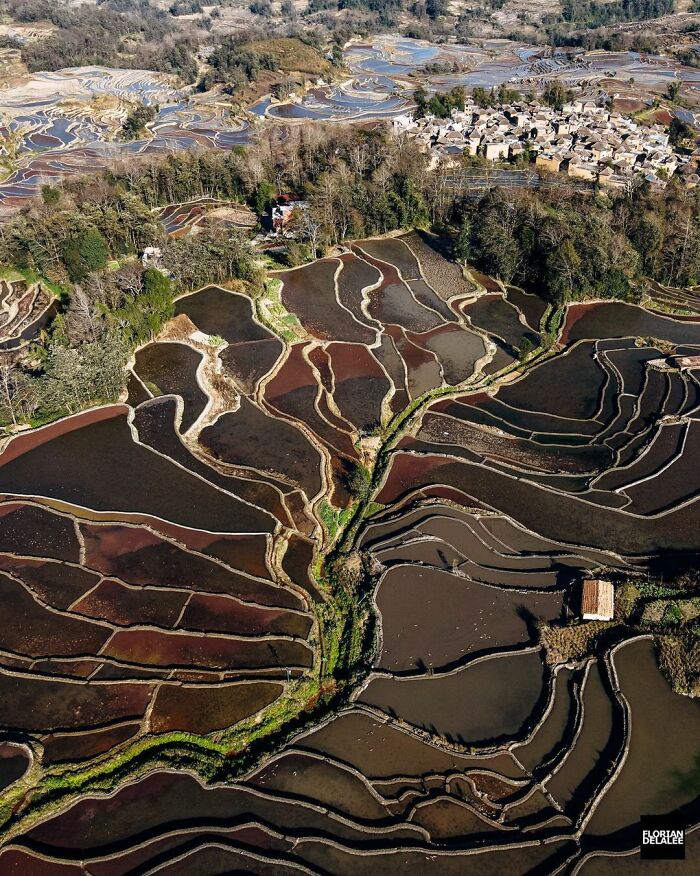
x: 306, y: 599
x: 349, y: 437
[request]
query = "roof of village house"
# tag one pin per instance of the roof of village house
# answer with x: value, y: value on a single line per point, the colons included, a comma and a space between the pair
x: 598, y: 599
x: 595, y: 135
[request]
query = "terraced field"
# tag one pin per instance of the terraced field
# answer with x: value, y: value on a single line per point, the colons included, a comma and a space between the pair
x: 25, y: 308
x: 179, y: 219
x: 679, y: 302
x: 280, y: 611
x: 68, y: 123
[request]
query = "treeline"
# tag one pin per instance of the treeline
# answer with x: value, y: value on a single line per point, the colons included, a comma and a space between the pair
x: 591, y: 24
x: 570, y: 247
x: 438, y: 19
x: 114, y: 33
x: 87, y: 235
x: 439, y: 105
x: 87, y: 242
x: 495, y: 97
x: 594, y: 13
x: 180, y: 177
x: 84, y: 234
x: 374, y: 14
x: 358, y: 182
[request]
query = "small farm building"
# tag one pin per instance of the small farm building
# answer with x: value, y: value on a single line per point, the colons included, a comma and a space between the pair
x: 597, y: 600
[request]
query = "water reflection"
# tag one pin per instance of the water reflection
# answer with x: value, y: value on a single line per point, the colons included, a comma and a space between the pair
x: 67, y: 122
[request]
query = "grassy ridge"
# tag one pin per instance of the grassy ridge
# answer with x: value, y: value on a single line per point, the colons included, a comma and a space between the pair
x: 293, y: 56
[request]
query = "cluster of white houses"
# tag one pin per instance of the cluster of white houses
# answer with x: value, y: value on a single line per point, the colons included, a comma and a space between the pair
x: 582, y: 139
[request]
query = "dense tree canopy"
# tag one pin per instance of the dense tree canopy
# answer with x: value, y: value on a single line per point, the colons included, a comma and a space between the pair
x: 595, y: 13
x: 235, y: 65
x: 136, y: 121
x: 573, y: 247
x: 114, y: 33
x: 439, y: 105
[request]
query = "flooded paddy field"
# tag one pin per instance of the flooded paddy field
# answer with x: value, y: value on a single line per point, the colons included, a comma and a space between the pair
x: 385, y: 71
x: 495, y: 315
x: 25, y: 308
x: 171, y: 369
x: 179, y: 219
x: 14, y: 761
x: 608, y: 412
x: 177, y: 621
x: 68, y: 122
x: 460, y: 616
x: 234, y: 440
x: 155, y: 425
x: 486, y: 700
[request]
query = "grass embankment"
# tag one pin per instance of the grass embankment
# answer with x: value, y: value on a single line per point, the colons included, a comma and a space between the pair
x: 271, y: 312
x: 334, y: 519
x: 574, y: 641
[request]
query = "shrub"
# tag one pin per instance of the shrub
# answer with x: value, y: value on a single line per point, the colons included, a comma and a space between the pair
x: 85, y: 253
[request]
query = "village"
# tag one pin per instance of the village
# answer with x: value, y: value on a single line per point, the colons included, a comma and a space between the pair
x: 583, y: 140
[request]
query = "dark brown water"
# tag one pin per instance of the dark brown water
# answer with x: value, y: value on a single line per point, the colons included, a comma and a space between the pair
x: 432, y: 618
x: 664, y: 745
x: 489, y: 700
x: 171, y: 369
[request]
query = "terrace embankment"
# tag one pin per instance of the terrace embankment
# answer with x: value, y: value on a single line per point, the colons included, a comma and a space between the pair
x: 289, y: 595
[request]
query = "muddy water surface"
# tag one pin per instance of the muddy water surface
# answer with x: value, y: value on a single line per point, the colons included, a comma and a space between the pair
x: 431, y: 618
x: 657, y: 775
x: 488, y: 700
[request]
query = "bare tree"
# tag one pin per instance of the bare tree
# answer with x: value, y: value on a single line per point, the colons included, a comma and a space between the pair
x: 309, y: 227
x: 16, y: 396
x: 82, y: 321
